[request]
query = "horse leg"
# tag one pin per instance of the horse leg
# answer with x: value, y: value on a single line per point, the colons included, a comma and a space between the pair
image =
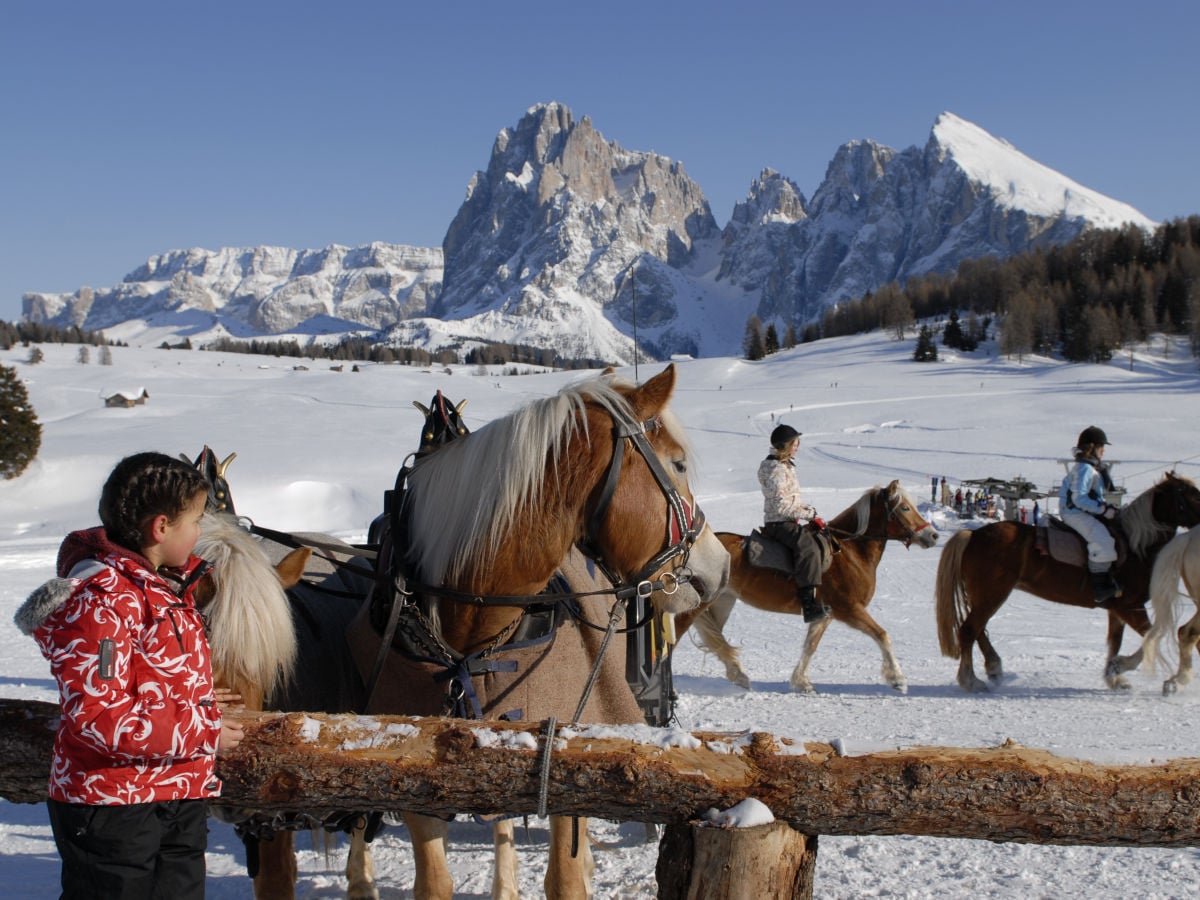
x: 710, y: 625
x: 276, y: 878
x: 860, y: 619
x: 504, y: 872
x: 1115, y: 664
x: 360, y: 867
x: 992, y: 664
x: 432, y: 880
x: 1189, y: 638
x: 812, y: 638
x: 568, y: 874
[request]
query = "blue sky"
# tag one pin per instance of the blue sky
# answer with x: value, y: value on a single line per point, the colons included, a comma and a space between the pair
x: 131, y: 128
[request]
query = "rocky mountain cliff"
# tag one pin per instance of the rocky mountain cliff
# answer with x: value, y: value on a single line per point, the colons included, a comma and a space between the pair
x: 567, y: 240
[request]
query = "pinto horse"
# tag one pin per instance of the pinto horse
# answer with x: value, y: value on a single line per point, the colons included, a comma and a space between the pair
x: 979, y: 569
x: 490, y: 518
x: 880, y: 515
x: 1178, y: 561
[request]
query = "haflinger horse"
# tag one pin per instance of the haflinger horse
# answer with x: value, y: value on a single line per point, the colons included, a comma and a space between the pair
x: 979, y: 569
x: 863, y: 530
x: 1178, y: 561
x: 488, y: 520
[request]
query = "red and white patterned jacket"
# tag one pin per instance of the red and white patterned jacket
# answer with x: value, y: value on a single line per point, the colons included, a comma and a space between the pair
x: 146, y: 728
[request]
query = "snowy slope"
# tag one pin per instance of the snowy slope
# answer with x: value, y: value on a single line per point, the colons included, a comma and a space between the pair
x: 316, y: 449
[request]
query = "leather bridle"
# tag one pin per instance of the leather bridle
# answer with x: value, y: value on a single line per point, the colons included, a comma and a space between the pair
x: 685, y: 520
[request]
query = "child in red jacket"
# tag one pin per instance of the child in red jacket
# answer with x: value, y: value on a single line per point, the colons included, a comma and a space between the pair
x: 140, y: 728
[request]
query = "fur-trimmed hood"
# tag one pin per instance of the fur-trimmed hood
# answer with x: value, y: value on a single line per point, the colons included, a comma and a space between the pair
x: 78, y: 560
x: 42, y: 602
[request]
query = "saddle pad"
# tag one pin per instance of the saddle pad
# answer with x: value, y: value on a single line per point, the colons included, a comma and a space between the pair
x: 765, y: 553
x: 1064, y: 544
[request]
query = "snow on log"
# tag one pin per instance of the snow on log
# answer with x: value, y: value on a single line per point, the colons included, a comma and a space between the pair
x: 317, y: 763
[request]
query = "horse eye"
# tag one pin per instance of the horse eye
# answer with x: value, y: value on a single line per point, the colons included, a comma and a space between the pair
x: 681, y: 466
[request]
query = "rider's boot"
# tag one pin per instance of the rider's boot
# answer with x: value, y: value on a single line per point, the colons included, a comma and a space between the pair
x: 812, y: 609
x: 1105, y: 588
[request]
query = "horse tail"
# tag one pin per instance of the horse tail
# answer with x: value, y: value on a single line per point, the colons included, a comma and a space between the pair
x: 1164, y: 584
x: 952, y: 601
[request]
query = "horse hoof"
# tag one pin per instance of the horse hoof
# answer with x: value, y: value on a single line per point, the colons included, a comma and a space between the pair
x: 901, y: 687
x: 1169, y: 687
x: 742, y: 681
x: 803, y: 687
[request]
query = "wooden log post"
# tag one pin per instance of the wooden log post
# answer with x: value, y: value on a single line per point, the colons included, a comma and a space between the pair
x: 321, y: 763
x: 698, y: 862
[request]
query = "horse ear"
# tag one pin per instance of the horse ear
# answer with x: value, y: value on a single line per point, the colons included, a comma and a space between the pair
x: 652, y: 397
x: 290, y: 569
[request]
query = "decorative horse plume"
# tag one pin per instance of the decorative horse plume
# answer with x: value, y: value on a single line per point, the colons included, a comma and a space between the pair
x: 219, y: 498
x: 443, y: 423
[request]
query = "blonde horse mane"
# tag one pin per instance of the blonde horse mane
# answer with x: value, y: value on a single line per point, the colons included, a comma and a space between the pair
x: 862, y: 509
x: 485, y: 481
x: 249, y: 620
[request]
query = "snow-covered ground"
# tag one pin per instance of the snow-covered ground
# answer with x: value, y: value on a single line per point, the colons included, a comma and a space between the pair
x: 316, y: 450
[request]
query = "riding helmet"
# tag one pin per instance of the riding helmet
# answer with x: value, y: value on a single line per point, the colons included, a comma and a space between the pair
x: 783, y: 435
x: 1091, y: 435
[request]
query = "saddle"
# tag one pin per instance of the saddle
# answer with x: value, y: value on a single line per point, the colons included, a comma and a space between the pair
x: 1062, y: 543
x: 763, y: 552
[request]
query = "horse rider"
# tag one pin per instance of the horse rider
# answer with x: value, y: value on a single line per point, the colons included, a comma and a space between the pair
x: 1081, y: 505
x: 786, y: 519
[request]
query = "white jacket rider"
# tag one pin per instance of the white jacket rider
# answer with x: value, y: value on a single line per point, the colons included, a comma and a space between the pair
x: 1081, y: 505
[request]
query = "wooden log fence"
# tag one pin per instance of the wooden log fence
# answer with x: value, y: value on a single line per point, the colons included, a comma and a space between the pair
x: 316, y: 762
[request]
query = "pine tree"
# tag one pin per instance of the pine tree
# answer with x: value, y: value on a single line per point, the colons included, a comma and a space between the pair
x: 20, y: 432
x: 771, y: 341
x: 753, y: 341
x: 926, y: 350
x: 952, y: 334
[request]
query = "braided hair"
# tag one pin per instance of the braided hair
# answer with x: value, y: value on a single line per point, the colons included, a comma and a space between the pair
x: 141, y: 487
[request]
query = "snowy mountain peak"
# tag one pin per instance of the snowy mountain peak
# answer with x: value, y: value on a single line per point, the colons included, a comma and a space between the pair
x: 568, y: 241
x: 1018, y: 182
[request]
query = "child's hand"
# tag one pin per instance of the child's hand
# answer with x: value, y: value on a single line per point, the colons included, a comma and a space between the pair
x: 227, y: 697
x: 232, y: 733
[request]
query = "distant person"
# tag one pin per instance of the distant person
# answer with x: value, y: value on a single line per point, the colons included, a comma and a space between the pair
x: 789, y: 520
x: 958, y: 501
x: 933, y: 490
x: 141, y: 722
x: 947, y: 500
x: 1037, y: 511
x: 1082, y: 505
x: 1024, y: 515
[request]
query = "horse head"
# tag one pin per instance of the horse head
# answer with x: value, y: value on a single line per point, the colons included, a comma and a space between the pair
x: 1176, y: 501
x: 602, y: 463
x: 246, y: 610
x: 904, y: 522
x: 645, y: 472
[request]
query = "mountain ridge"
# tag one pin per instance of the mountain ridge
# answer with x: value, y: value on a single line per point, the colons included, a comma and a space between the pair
x: 568, y: 240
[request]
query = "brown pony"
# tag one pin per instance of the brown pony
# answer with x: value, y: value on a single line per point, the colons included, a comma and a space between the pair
x: 489, y: 519
x: 880, y: 515
x: 979, y: 569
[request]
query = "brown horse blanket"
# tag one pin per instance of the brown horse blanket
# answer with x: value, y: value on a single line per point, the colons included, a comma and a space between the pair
x: 549, y: 679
